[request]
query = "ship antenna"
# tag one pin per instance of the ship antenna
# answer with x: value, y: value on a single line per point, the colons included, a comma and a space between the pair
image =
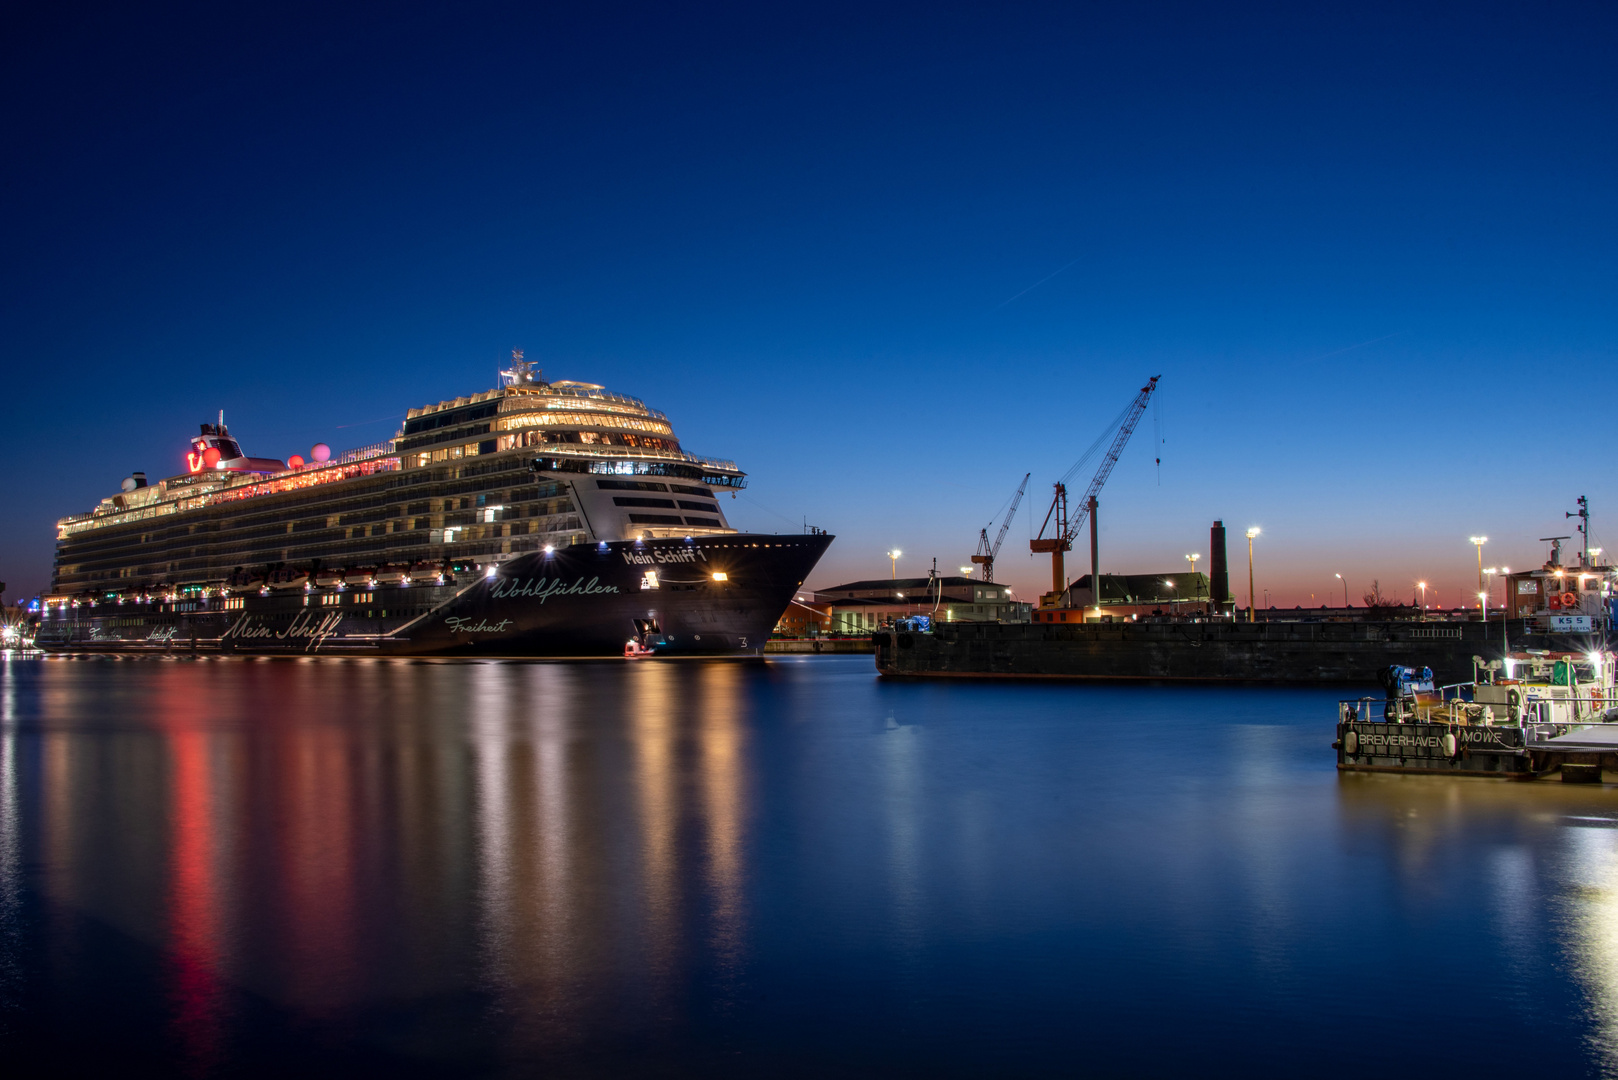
x: 221, y: 421
x: 521, y: 370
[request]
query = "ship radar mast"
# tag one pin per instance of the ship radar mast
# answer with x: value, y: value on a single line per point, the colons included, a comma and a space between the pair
x: 521, y: 372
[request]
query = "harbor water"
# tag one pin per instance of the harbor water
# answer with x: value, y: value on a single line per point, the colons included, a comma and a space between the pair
x: 773, y: 867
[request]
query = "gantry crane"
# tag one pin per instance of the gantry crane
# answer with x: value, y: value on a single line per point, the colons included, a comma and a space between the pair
x: 986, y: 550
x: 1062, y: 540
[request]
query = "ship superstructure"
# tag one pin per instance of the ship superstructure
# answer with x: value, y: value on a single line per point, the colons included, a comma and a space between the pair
x: 466, y: 489
x: 473, y: 479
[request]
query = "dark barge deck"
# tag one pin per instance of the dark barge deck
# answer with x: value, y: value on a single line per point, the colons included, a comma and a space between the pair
x: 1214, y: 651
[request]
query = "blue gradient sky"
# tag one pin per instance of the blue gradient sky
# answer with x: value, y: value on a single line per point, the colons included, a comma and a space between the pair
x: 1371, y: 251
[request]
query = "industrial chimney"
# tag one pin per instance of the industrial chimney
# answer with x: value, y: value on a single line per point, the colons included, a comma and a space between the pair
x: 1218, y: 568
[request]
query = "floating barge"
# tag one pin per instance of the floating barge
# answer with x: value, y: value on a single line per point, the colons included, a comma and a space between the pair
x: 1215, y: 650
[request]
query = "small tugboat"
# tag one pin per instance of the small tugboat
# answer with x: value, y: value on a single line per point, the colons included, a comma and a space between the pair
x: 1533, y: 713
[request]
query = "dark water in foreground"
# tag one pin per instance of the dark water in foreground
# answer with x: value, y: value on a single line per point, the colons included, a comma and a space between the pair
x: 785, y: 868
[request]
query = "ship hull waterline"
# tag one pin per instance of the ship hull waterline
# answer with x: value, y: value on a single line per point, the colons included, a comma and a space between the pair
x: 714, y: 595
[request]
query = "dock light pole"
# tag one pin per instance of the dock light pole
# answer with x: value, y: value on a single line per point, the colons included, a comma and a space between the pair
x: 1478, y: 542
x: 894, y: 557
x: 1422, y: 585
x: 1192, y: 559
x: 1505, y: 615
x: 1254, y: 531
x: 1339, y: 577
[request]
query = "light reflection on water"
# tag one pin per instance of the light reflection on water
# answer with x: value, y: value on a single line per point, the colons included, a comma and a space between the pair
x: 1592, y: 945
x: 605, y: 868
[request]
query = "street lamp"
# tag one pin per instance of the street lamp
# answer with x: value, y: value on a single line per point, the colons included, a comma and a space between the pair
x: 1250, y: 534
x: 1170, y: 585
x: 1505, y: 615
x: 1192, y: 559
x: 1339, y: 577
x: 1479, y: 541
x: 966, y: 571
x: 894, y: 556
x: 1422, y: 585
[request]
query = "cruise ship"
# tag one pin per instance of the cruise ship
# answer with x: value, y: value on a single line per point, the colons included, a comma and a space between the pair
x: 534, y: 519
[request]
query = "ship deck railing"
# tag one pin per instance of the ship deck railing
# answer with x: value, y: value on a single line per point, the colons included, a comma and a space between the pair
x: 1450, y: 706
x: 360, y: 453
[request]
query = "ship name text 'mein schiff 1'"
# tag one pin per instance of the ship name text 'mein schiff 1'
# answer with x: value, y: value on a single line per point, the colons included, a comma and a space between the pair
x: 535, y: 519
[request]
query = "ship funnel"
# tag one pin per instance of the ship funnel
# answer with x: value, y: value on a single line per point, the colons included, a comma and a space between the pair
x: 1219, y: 568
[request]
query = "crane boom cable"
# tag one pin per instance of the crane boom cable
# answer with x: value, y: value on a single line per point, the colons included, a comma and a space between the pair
x: 986, y: 551
x: 1085, y: 458
x: 1016, y: 501
x: 1132, y: 416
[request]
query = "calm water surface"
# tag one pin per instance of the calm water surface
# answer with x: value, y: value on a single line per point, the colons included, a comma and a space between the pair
x: 785, y: 867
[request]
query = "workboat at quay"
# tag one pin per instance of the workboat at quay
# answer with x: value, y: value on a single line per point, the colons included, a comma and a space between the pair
x: 535, y: 519
x: 1523, y: 716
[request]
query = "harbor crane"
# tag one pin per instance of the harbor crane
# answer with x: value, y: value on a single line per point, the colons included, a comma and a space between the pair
x: 986, y: 550
x: 1061, y: 540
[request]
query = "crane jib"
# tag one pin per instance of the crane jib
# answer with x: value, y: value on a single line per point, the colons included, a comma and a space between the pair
x: 1125, y: 430
x: 1067, y: 529
x: 986, y: 551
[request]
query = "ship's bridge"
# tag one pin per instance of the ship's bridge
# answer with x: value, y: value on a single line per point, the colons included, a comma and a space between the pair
x: 619, y: 458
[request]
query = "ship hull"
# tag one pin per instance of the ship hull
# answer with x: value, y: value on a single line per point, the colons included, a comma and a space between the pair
x: 711, y: 595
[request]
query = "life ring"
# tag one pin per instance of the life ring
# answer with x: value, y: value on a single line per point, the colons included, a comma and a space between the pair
x: 1569, y: 600
x: 1595, y: 694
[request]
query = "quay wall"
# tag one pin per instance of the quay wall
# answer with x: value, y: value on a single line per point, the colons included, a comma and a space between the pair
x: 825, y: 646
x: 1323, y: 652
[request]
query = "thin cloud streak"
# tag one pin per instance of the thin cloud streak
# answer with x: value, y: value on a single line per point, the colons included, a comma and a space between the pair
x: 1351, y: 348
x: 1036, y: 284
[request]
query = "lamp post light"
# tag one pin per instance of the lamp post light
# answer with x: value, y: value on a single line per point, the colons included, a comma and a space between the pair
x: 1339, y: 577
x: 1478, y: 542
x: 893, y: 556
x: 1505, y: 614
x: 1422, y: 585
x: 1254, y: 531
x: 1169, y: 584
x: 1192, y: 559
